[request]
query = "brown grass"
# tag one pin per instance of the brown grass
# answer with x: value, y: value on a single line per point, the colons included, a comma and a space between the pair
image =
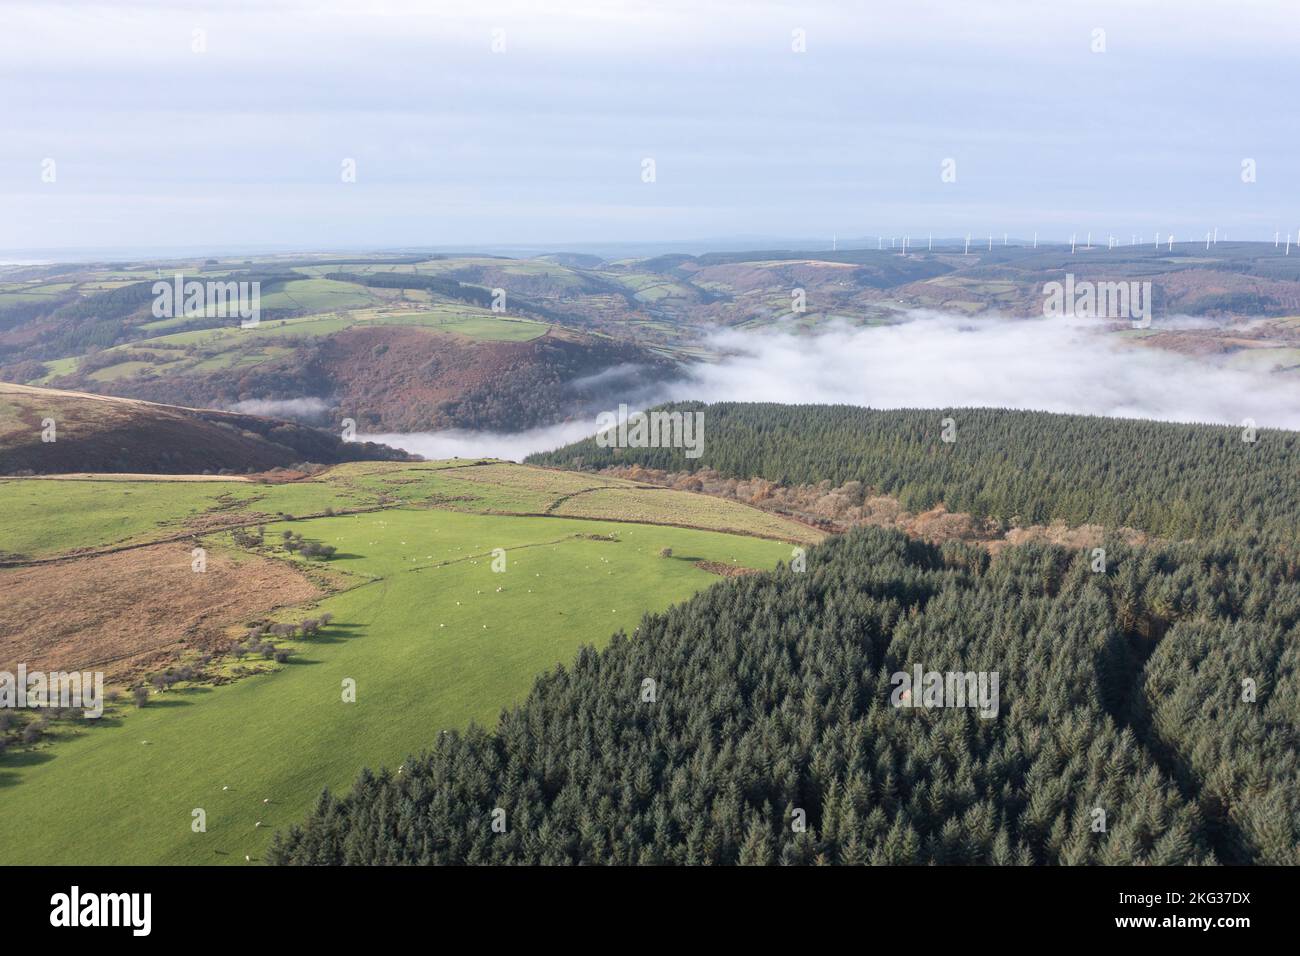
x: 125, y: 611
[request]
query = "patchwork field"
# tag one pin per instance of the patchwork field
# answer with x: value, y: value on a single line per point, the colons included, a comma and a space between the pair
x: 433, y: 633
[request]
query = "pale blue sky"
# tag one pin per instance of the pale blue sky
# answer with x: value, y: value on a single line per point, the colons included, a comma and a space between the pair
x: 157, y: 146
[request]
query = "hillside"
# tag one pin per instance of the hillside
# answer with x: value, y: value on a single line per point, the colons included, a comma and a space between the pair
x: 353, y: 337
x: 1146, y: 704
x: 1011, y: 467
x: 398, y: 345
x: 93, y: 433
x: 441, y: 588
x: 405, y: 378
x: 1117, y: 733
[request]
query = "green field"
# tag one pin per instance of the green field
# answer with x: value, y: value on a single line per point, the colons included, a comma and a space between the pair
x: 42, y: 518
x: 318, y: 295
x: 432, y: 635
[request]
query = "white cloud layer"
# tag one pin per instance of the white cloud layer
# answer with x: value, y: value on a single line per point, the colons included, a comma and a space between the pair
x: 942, y: 361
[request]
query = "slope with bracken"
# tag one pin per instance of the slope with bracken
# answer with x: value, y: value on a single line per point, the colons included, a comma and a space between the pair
x: 50, y: 431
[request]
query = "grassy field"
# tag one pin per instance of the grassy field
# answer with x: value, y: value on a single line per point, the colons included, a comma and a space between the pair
x: 318, y: 295
x: 42, y: 518
x: 180, y: 350
x: 680, y: 508
x: 432, y: 635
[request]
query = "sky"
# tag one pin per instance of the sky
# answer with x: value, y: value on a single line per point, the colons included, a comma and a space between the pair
x: 154, y: 126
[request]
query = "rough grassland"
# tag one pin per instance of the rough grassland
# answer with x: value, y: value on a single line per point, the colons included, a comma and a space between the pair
x: 433, y: 637
x: 125, y: 793
x: 684, y: 508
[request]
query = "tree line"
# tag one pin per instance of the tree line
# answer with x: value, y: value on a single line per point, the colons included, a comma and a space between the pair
x: 1170, y: 480
x: 1148, y: 714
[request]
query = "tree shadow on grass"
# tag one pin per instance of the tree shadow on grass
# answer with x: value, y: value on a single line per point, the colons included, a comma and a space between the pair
x: 334, y: 633
x: 13, y: 761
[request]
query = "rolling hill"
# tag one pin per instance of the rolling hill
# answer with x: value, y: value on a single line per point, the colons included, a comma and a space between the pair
x: 452, y: 584
x: 1116, y: 703
x: 53, y: 431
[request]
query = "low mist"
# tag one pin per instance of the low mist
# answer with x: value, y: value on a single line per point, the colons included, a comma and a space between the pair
x: 932, y: 361
x: 306, y: 408
x: 461, y: 443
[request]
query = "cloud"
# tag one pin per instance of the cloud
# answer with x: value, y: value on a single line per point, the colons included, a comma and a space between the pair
x: 750, y: 137
x: 941, y: 360
x: 936, y: 361
x: 282, y: 408
x: 460, y: 443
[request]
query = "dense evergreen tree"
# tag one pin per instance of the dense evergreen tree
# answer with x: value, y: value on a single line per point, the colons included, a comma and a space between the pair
x: 1168, y: 479
x: 772, y: 707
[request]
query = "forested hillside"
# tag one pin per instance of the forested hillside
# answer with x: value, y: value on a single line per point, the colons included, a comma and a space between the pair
x: 1171, y: 480
x: 1148, y: 713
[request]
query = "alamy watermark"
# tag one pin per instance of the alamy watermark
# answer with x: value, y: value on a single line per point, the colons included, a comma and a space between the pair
x: 130, y: 910
x: 651, y: 430
x: 54, y: 689
x: 1129, y: 300
x: 192, y: 298
x: 937, y: 689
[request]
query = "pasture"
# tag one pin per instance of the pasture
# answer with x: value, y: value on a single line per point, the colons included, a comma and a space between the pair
x: 432, y: 635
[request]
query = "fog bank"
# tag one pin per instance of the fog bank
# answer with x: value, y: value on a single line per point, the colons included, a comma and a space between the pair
x: 937, y: 360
